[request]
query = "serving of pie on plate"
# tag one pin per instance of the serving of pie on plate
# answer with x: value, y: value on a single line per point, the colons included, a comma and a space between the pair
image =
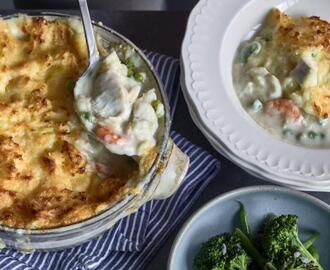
x: 281, y: 77
x: 231, y: 122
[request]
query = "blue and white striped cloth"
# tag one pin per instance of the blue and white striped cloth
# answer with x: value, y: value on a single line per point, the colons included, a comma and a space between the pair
x: 134, y: 240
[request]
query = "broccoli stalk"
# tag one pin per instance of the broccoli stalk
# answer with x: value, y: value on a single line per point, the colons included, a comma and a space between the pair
x: 313, y: 251
x: 310, y: 241
x: 222, y: 252
x: 282, y: 246
x: 250, y: 249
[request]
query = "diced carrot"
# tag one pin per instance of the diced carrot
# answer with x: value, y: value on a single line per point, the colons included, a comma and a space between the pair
x: 106, y: 134
x: 101, y: 132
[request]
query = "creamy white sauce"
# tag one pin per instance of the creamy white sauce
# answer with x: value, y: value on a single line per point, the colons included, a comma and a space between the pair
x: 256, y: 84
x: 113, y: 107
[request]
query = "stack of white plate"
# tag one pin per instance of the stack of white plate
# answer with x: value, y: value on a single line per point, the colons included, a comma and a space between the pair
x: 214, y: 32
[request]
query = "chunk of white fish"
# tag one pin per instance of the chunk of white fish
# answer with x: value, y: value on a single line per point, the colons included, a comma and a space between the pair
x: 110, y: 98
x: 262, y: 77
x: 110, y: 106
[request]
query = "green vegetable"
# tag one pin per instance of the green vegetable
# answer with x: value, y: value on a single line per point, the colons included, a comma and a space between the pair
x: 245, y: 52
x: 155, y: 104
x: 244, y: 220
x: 312, y: 134
x: 130, y: 72
x: 310, y: 241
x: 300, y: 136
x: 279, y: 248
x: 313, y: 251
x: 130, y: 67
x: 222, y: 252
x: 87, y: 116
x: 283, y: 248
x: 70, y: 84
x: 270, y: 266
x: 129, y: 63
x: 250, y: 248
x: 287, y: 132
x: 140, y: 77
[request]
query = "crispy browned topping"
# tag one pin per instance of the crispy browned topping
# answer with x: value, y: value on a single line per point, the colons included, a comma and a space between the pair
x: 9, y: 150
x: 77, y: 162
x: 296, y: 39
x: 320, y: 98
x: 49, y: 163
x: 45, y: 180
x: 11, y: 155
x: 300, y: 32
x: 51, y: 202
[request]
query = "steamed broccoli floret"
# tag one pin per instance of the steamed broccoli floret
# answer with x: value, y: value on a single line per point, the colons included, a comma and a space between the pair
x: 282, y: 247
x: 222, y: 252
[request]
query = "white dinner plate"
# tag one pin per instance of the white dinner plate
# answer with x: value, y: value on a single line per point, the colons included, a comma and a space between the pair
x: 214, y: 31
x: 299, y: 184
x: 295, y: 184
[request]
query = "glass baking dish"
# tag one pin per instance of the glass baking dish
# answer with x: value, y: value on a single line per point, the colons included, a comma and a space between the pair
x: 162, y: 180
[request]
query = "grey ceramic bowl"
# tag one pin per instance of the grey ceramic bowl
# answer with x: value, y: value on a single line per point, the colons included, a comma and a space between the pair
x: 220, y: 215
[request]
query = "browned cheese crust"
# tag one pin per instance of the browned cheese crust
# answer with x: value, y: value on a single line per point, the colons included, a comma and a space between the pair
x: 300, y: 32
x: 294, y: 37
x: 45, y: 180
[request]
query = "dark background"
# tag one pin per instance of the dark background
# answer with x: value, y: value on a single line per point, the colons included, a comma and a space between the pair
x: 109, y: 5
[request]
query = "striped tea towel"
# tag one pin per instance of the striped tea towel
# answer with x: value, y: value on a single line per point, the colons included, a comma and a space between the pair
x: 134, y: 240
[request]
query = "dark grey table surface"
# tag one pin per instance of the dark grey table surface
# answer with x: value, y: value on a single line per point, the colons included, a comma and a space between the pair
x: 163, y: 31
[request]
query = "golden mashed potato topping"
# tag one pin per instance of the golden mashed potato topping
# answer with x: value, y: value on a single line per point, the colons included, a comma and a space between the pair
x: 45, y: 180
x: 305, y: 42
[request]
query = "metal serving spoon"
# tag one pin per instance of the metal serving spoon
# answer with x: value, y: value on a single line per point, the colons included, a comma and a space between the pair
x: 96, y: 98
x: 88, y: 98
x: 93, y: 53
x: 105, y: 97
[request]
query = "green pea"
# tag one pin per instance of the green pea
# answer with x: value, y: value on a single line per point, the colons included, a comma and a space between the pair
x: 253, y: 48
x: 314, y: 55
x: 130, y: 72
x: 312, y: 135
x: 287, y: 132
x: 299, y: 136
x: 155, y: 104
x: 139, y: 77
x: 129, y: 63
x: 322, y: 135
x: 87, y: 116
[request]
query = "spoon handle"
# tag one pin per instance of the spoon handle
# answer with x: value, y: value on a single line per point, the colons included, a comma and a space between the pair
x: 89, y: 34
